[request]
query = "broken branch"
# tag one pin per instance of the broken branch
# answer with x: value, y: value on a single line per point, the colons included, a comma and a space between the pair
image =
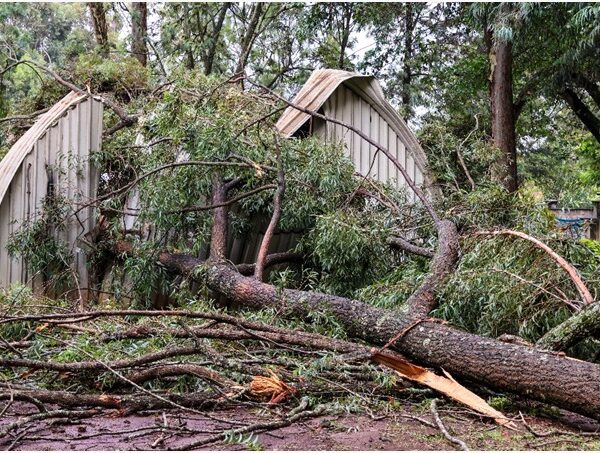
x: 585, y: 294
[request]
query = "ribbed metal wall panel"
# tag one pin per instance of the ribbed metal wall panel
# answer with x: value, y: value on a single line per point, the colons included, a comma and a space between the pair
x: 55, y: 150
x: 346, y: 105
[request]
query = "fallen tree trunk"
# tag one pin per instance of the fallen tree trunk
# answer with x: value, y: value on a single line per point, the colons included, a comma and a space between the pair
x: 578, y: 327
x: 568, y: 383
x: 125, y: 403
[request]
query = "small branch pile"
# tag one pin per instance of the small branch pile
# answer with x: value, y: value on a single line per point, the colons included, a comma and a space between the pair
x: 187, y: 360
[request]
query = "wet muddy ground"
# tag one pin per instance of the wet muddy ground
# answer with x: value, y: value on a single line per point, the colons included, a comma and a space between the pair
x: 397, y: 430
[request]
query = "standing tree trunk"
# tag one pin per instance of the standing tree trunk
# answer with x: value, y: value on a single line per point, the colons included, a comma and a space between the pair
x: 408, y: 54
x: 190, y: 60
x: 249, y: 37
x: 139, y: 31
x: 347, y: 23
x: 218, y: 239
x: 209, y: 58
x: 100, y: 25
x: 503, y: 110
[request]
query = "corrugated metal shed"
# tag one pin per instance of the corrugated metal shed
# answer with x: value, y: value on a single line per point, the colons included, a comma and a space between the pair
x: 52, y: 155
x: 359, y: 101
x: 56, y: 151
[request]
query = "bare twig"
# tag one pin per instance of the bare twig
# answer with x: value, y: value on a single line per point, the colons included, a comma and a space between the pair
x: 277, y: 206
x: 17, y: 439
x: 403, y: 244
x: 442, y: 428
x: 44, y: 416
x: 23, y: 117
x: 270, y: 260
x: 419, y: 419
x: 137, y: 180
x: 179, y: 370
x: 256, y: 427
x: 555, y: 432
x: 223, y: 203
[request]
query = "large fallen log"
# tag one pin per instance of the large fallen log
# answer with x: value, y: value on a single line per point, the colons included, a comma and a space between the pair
x: 582, y: 325
x: 565, y: 382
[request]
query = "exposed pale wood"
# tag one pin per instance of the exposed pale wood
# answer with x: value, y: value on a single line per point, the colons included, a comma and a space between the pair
x: 445, y: 385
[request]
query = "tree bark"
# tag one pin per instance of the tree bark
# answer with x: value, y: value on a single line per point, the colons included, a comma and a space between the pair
x: 249, y: 37
x: 590, y: 121
x: 139, y: 32
x: 404, y: 245
x: 277, y: 207
x: 503, y: 110
x: 589, y: 86
x: 100, y: 25
x: 218, y: 240
x: 408, y: 54
x: 127, y: 403
x: 568, y: 383
x: 209, y: 59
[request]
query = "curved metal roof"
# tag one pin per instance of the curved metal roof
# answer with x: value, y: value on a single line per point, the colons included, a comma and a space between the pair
x: 322, y: 83
x: 10, y: 164
x: 318, y: 88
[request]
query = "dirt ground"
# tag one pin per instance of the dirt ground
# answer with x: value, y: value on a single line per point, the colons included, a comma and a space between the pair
x: 400, y: 429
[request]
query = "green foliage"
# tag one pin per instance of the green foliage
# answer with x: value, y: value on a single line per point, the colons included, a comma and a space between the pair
x: 393, y: 288
x: 441, y: 77
x: 19, y: 299
x: 37, y: 243
x: 248, y: 441
x: 589, y: 151
x: 593, y: 245
x: 505, y: 285
x: 350, y: 248
x: 122, y: 75
x: 443, y: 139
x: 199, y: 118
x: 501, y: 403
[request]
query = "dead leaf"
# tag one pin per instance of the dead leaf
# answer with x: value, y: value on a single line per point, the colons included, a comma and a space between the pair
x: 271, y: 387
x: 44, y: 326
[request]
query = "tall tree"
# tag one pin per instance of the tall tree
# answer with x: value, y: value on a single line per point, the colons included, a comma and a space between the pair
x: 250, y: 29
x: 100, y: 25
x: 139, y: 31
x: 412, y: 44
x: 333, y: 25
x: 502, y: 108
x: 565, y: 66
x: 577, y: 68
x: 212, y: 40
x: 195, y: 33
